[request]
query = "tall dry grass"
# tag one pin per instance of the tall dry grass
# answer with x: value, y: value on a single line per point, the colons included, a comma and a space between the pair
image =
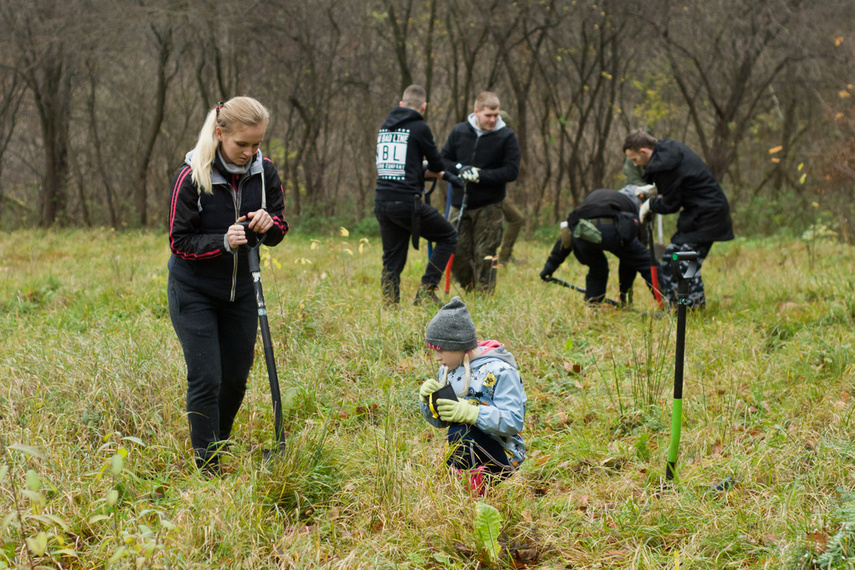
x: 95, y: 471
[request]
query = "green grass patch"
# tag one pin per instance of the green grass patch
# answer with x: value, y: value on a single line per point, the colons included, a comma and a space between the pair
x: 95, y: 466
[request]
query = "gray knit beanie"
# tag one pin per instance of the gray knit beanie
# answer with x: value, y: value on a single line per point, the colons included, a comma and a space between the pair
x: 452, y: 328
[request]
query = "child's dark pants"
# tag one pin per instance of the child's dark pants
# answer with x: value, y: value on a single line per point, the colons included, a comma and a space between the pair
x: 472, y: 447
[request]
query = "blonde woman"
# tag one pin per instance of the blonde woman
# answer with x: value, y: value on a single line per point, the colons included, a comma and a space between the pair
x: 224, y: 180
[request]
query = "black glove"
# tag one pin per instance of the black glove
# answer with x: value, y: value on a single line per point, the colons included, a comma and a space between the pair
x: 452, y: 178
x: 547, y: 272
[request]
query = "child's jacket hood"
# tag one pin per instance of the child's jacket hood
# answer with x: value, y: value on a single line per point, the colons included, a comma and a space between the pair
x: 494, y: 349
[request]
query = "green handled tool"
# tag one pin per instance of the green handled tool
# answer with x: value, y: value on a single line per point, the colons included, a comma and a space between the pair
x: 682, y: 296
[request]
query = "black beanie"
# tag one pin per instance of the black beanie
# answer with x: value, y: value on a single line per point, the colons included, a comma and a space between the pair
x: 452, y: 328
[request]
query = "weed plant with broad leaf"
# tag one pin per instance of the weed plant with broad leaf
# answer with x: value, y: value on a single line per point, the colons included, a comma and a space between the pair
x: 488, y: 524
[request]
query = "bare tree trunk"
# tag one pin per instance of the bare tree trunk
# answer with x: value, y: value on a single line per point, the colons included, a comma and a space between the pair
x: 163, y: 41
x: 517, y: 57
x: 81, y: 194
x: 97, y: 148
x: 429, y: 51
x: 754, y: 53
x: 400, y: 29
x: 52, y: 94
x: 12, y: 95
x: 44, y: 61
x: 465, y: 46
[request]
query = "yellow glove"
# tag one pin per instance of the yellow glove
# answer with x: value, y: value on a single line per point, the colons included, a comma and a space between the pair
x: 428, y: 387
x: 459, y: 412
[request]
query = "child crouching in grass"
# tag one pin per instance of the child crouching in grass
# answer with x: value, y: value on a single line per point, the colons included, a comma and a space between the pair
x: 485, y: 421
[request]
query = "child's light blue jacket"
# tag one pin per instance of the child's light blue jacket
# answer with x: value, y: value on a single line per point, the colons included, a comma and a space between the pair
x: 495, y: 386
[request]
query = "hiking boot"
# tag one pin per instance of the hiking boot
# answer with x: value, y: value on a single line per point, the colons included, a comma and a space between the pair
x: 391, y: 291
x: 626, y: 299
x: 427, y: 294
x: 209, y: 468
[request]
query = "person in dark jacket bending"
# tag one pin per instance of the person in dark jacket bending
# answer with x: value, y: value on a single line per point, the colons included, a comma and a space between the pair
x: 212, y: 304
x: 486, y: 155
x: 685, y: 184
x: 614, y: 214
x: 403, y: 141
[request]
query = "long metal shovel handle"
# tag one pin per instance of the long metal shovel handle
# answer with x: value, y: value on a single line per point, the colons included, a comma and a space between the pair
x: 269, y: 359
x: 677, y: 408
x: 611, y: 302
x: 427, y: 194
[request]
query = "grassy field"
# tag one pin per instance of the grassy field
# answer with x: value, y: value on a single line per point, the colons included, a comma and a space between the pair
x: 95, y: 469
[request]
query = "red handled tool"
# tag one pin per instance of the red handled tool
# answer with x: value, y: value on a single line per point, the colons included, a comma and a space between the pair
x: 654, y: 266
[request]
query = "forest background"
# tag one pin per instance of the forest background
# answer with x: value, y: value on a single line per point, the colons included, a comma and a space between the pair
x: 100, y: 100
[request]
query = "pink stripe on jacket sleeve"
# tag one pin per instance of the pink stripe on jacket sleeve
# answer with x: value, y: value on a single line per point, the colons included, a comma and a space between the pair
x: 179, y: 182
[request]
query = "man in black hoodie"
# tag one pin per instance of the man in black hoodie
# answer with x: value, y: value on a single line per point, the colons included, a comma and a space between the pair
x: 403, y: 142
x: 685, y: 184
x: 614, y: 214
x: 485, y: 153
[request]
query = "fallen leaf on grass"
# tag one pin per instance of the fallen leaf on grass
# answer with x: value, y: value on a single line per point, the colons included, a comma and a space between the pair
x: 523, y: 557
x: 367, y: 410
x: 756, y: 431
x: 818, y: 538
x: 539, y: 458
x: 613, y: 463
x: 560, y: 420
x: 407, y: 365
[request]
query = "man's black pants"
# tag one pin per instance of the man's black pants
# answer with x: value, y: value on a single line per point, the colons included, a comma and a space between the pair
x: 396, y: 230
x: 634, y: 258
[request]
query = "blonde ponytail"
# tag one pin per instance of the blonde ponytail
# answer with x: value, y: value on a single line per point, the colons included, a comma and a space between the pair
x: 234, y: 114
x: 203, y: 154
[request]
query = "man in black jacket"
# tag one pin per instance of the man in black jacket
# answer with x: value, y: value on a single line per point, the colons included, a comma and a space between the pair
x: 685, y: 184
x: 403, y: 142
x: 606, y: 220
x: 485, y: 153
